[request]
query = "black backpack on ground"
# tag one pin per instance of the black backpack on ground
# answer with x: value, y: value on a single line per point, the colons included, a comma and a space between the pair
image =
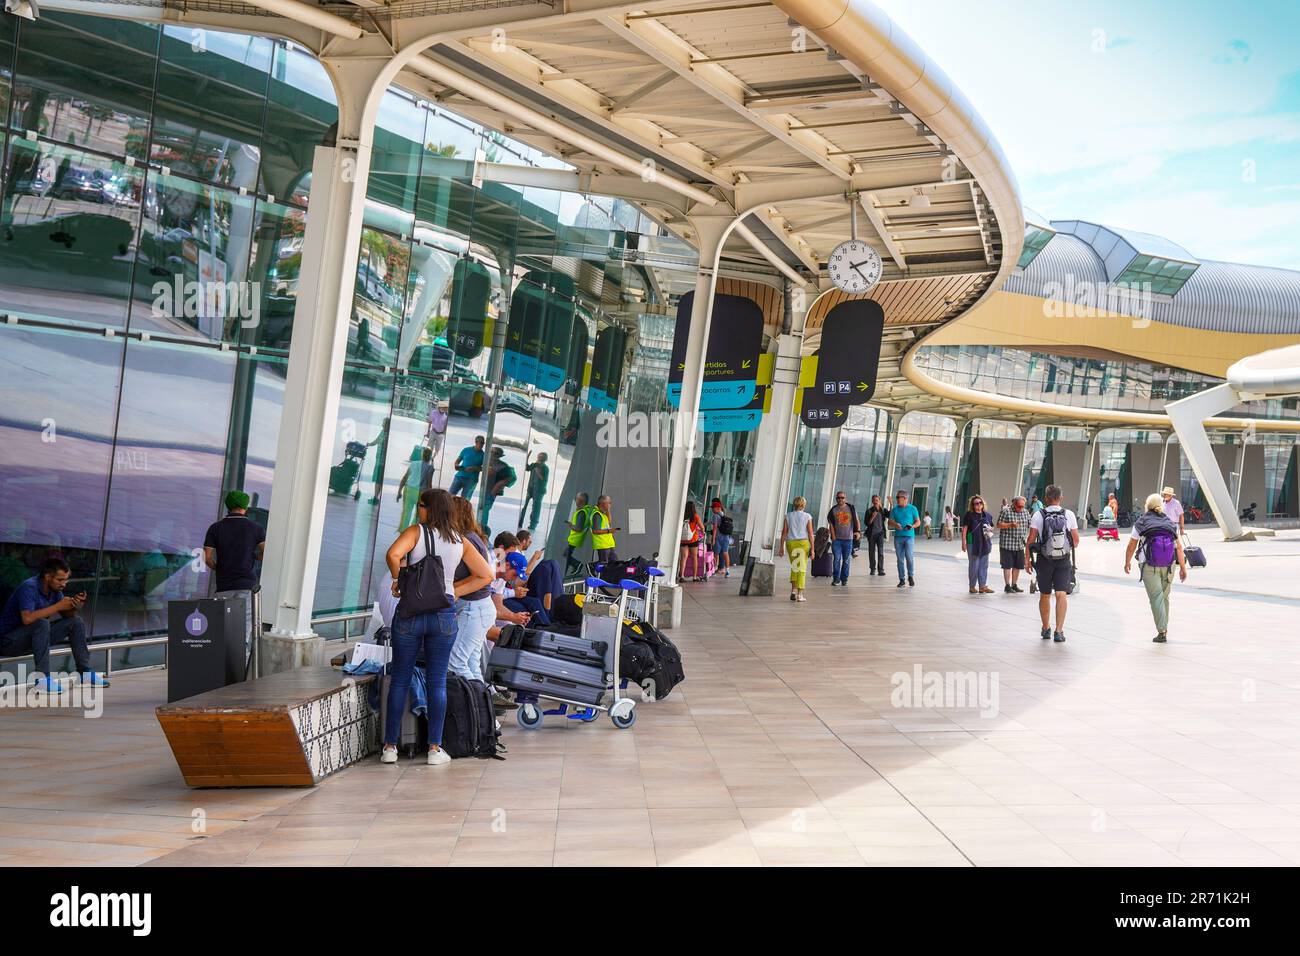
x: 469, y: 729
x: 667, y: 670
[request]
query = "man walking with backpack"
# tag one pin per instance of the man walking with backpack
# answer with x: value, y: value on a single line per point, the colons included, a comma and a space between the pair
x: 1155, y: 539
x: 721, y: 528
x: 1054, y: 534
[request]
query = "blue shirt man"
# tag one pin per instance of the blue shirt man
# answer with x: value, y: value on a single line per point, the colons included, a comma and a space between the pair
x: 469, y: 465
x: 38, y: 615
x: 904, y: 518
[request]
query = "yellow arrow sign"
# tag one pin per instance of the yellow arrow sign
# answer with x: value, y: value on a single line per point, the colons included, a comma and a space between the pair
x: 838, y: 413
x: 746, y: 364
x: 863, y: 386
x: 681, y: 366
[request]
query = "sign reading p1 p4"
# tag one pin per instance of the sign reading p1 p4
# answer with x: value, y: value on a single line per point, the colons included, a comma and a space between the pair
x: 731, y: 357
x: 819, y: 408
x: 849, y: 356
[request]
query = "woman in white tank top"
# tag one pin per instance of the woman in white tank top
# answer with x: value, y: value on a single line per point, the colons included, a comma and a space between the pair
x: 797, y: 538
x: 433, y: 632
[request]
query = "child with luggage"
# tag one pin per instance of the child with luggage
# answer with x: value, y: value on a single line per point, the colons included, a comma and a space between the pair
x: 797, y: 530
x: 721, y: 527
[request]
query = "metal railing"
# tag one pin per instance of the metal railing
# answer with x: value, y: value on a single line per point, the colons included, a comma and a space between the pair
x: 108, y: 647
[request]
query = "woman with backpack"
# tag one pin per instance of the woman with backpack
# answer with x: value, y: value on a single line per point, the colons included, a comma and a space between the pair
x: 977, y: 541
x: 1155, y: 539
x: 422, y: 562
x: 691, y: 536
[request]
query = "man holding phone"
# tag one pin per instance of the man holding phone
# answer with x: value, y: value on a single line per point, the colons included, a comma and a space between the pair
x: 38, y: 614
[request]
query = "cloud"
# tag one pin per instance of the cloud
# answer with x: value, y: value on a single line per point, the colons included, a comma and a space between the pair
x: 1238, y: 51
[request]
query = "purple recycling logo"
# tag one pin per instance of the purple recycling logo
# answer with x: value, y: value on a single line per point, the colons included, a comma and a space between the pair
x: 196, y: 623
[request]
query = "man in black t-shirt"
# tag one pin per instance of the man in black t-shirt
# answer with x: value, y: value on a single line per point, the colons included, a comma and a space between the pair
x: 231, y: 548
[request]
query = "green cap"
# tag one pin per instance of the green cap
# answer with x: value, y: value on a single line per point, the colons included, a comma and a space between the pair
x: 237, y: 500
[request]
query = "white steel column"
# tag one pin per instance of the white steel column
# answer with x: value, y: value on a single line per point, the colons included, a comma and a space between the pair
x: 891, y: 456
x: 829, y: 476
x: 771, y: 464
x: 1164, y: 464
x: 709, y: 230
x: 1024, y: 448
x: 1188, y: 415
x: 954, y: 466
x: 308, y: 422
x: 1085, y: 478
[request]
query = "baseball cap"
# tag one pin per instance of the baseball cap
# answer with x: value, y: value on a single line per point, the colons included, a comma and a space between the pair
x: 237, y: 499
x: 519, y: 563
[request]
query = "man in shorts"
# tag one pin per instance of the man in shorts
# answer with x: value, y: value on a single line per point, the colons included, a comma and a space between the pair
x: 1013, y: 531
x: 1054, y: 534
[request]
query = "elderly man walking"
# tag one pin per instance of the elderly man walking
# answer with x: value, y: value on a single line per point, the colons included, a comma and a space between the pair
x: 1013, y: 530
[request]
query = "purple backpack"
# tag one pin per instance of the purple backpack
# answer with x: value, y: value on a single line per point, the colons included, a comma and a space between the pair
x: 1158, y: 542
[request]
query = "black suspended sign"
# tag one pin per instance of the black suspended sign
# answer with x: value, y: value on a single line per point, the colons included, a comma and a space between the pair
x: 819, y: 410
x: 606, y: 369
x: 467, y: 319
x: 731, y: 358
x: 849, y: 355
x: 539, y: 331
x: 577, y: 364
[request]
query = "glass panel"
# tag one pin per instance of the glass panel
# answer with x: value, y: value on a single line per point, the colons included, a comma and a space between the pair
x: 168, y: 465
x: 86, y: 81
x: 58, y: 445
x: 300, y: 110
x: 276, y: 261
x: 210, y: 106
x: 195, y: 250
x: 67, y: 234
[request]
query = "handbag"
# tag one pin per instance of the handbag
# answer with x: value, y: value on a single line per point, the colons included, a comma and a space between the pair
x: 422, y: 585
x: 688, y: 533
x: 1195, y: 556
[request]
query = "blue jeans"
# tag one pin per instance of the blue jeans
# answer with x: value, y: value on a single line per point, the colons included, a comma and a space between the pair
x: 473, y: 618
x: 35, y: 639
x: 435, y: 634
x: 977, y: 570
x: 532, y: 605
x: 463, y: 485
x: 905, y: 550
x: 843, y: 554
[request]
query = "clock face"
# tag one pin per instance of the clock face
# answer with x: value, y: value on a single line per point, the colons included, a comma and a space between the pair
x: 854, y: 266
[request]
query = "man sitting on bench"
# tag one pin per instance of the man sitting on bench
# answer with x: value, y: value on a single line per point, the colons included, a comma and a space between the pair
x: 37, y: 615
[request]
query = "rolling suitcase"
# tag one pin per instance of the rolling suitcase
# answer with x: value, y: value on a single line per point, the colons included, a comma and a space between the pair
x: 823, y: 566
x: 569, y: 646
x: 695, y: 567
x: 413, y: 734
x: 547, y: 676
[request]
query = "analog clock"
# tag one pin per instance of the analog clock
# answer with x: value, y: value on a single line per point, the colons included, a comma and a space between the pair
x: 854, y: 266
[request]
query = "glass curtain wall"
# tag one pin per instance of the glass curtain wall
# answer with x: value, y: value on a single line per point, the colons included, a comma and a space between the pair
x: 151, y: 229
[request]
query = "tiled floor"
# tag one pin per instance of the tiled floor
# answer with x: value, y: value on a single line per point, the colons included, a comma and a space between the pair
x: 783, y: 747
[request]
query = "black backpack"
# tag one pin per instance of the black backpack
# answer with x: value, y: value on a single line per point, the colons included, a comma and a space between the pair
x: 667, y: 670
x: 423, y: 585
x: 469, y: 729
x: 726, y: 525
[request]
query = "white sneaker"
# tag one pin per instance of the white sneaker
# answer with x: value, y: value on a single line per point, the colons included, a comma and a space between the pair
x: 438, y: 757
x: 388, y: 755
x: 498, y: 727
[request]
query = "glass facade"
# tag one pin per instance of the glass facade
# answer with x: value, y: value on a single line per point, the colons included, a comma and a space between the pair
x: 155, y: 192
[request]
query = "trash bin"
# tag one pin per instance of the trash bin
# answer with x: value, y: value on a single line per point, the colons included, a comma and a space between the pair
x: 206, y: 645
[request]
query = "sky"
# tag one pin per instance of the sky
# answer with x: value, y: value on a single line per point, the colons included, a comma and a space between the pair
x: 1175, y: 117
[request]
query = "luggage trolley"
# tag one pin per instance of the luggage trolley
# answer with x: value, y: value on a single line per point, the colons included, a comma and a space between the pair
x: 643, y: 606
x: 602, y: 620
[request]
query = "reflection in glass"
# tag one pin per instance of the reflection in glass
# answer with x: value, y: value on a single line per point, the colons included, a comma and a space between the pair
x: 67, y: 234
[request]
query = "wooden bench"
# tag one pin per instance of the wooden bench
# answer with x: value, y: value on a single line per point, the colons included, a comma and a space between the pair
x: 290, y: 729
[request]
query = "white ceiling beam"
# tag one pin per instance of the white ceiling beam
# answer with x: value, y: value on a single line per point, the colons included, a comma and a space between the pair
x: 623, y: 102
x: 540, y: 121
x: 882, y: 230
x: 790, y: 239
x: 592, y: 105
x: 672, y: 51
x: 311, y: 16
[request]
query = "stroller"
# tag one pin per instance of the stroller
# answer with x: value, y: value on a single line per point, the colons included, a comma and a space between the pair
x: 1107, y: 527
x: 345, y: 477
